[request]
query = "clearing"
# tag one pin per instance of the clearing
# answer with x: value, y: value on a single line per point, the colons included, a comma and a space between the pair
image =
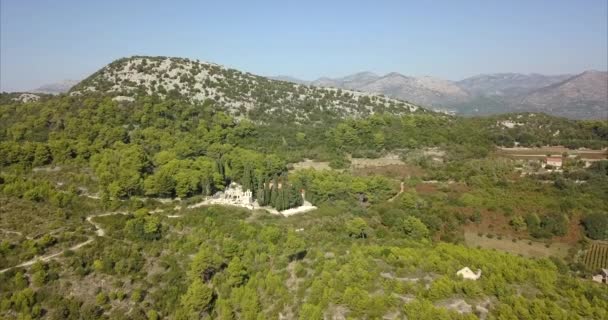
x: 386, y: 160
x: 542, y: 152
x: 526, y: 248
x: 311, y: 164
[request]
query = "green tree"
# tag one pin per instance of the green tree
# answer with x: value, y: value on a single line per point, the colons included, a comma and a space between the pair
x: 311, y: 312
x: 596, y: 225
x: 300, y: 137
x: 237, y: 273
x: 101, y: 298
x: 204, y: 264
x: 357, y: 228
x: 414, y: 228
x: 247, y: 180
x: 518, y: 223
x: 409, y: 200
x: 294, y: 245
x: 42, y: 155
x: 532, y: 221
x: 197, y: 298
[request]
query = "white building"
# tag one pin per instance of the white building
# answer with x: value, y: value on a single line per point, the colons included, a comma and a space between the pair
x: 235, y: 194
x: 467, y: 273
x: 555, y: 162
x: 602, y: 277
x: 232, y: 196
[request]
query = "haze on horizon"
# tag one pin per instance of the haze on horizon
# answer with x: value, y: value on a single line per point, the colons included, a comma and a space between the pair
x: 40, y: 43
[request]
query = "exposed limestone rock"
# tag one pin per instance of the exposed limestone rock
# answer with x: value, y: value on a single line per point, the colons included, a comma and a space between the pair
x: 27, y: 97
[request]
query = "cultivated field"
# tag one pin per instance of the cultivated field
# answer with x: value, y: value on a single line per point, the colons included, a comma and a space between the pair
x: 597, y: 256
x: 526, y: 248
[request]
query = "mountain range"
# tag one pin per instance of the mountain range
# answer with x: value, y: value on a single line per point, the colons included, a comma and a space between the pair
x: 581, y: 96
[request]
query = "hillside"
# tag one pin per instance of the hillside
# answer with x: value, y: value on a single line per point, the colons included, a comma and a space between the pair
x: 581, y: 96
x: 353, y: 81
x: 239, y: 93
x: 507, y: 84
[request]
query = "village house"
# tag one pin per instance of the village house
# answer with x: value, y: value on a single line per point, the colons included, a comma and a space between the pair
x: 467, y: 273
x: 602, y: 277
x: 555, y: 162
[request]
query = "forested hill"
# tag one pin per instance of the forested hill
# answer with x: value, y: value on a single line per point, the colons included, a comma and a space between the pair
x: 241, y: 94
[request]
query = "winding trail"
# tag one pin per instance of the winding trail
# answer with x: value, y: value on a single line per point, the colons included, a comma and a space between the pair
x: 98, y: 231
x: 398, y: 193
x: 13, y: 232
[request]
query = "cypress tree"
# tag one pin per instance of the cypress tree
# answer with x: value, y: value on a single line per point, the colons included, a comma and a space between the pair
x: 285, y: 198
x: 274, y: 192
x: 295, y: 199
x: 266, y: 193
x: 261, y: 193
x: 220, y: 168
x: 247, y: 180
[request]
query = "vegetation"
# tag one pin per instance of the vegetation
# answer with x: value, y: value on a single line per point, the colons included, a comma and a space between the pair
x: 104, y: 200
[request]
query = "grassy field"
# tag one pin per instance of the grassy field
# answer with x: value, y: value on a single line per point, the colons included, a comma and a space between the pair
x: 525, y: 248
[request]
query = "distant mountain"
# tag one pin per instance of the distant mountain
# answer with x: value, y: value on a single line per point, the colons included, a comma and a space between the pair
x: 428, y: 91
x: 239, y: 93
x: 353, y: 82
x: 56, y: 88
x: 582, y: 96
x: 289, y: 79
x: 508, y: 84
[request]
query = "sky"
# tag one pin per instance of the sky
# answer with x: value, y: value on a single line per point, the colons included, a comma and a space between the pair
x: 47, y: 41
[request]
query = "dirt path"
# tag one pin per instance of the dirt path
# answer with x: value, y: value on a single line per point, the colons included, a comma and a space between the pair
x: 48, y: 257
x: 398, y: 193
x: 98, y: 231
x: 14, y: 232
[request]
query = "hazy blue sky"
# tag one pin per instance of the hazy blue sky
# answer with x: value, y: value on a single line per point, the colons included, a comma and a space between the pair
x: 49, y: 40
